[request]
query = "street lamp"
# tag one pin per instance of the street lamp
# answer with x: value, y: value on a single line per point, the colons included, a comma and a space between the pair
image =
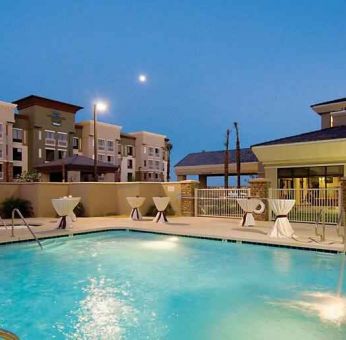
x: 98, y: 107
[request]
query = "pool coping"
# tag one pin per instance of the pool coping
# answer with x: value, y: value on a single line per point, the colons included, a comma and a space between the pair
x: 206, y: 237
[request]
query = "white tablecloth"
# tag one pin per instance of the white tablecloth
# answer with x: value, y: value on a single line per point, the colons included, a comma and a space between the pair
x: 161, y: 204
x: 64, y: 208
x: 135, y: 203
x: 282, y: 227
x: 250, y: 206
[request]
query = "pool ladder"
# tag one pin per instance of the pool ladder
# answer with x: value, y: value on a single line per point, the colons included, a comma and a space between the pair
x: 6, y: 335
x: 16, y: 210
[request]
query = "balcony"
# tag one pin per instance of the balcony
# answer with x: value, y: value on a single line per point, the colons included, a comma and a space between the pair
x: 50, y: 141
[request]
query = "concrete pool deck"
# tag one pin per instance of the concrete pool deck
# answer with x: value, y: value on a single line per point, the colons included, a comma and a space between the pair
x: 207, y: 227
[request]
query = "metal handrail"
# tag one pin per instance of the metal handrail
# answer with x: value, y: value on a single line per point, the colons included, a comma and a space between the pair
x: 16, y: 210
x: 6, y: 335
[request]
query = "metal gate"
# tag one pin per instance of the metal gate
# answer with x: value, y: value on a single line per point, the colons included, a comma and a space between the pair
x: 219, y: 202
x: 310, y: 203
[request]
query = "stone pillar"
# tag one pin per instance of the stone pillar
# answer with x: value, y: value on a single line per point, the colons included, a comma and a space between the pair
x: 8, y: 171
x: 202, y: 181
x: 188, y: 197
x: 259, y: 187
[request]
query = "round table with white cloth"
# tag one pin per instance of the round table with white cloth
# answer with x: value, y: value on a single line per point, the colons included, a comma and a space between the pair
x: 64, y: 207
x: 250, y: 206
x: 161, y: 204
x: 282, y: 227
x: 135, y: 203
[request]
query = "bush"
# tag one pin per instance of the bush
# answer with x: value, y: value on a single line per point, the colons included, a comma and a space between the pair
x: 28, y: 176
x: 79, y: 210
x: 11, y: 203
x: 152, y: 211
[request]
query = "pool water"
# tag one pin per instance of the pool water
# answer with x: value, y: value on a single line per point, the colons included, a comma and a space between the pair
x: 131, y: 285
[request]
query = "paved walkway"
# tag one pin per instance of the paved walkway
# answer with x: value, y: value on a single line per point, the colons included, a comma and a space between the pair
x: 221, y: 228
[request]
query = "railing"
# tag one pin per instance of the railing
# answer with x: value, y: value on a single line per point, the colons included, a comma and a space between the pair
x: 50, y: 141
x: 3, y: 223
x: 310, y: 203
x: 14, y: 211
x: 219, y: 202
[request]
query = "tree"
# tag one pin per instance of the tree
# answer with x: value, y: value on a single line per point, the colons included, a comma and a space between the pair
x: 169, y: 147
x: 226, y: 159
x: 237, y: 154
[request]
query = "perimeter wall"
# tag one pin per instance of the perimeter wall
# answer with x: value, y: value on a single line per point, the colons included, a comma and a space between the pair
x: 98, y: 199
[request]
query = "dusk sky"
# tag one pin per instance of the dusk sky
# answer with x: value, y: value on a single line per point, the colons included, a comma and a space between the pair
x: 209, y: 63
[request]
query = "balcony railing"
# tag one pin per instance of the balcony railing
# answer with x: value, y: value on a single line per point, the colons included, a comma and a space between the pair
x: 50, y: 141
x: 62, y: 143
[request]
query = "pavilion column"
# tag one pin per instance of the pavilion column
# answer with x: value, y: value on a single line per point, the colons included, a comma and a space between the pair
x: 259, y: 188
x: 202, y: 181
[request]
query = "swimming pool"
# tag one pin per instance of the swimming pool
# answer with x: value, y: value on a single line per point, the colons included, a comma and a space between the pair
x: 132, y: 285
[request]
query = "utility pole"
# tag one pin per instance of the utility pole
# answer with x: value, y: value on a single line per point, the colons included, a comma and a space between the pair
x: 226, y: 159
x: 237, y: 153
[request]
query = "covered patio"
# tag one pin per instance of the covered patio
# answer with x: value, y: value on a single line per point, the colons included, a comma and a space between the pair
x: 77, y: 169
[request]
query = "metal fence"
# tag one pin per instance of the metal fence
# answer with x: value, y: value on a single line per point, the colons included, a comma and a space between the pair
x: 310, y: 203
x: 219, y: 202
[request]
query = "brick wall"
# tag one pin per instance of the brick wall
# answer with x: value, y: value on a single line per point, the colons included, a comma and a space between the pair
x: 187, y: 197
x: 259, y: 187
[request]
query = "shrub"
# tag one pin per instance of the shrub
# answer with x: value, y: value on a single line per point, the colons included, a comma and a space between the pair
x: 152, y: 211
x: 11, y: 203
x: 29, y: 176
x: 79, y: 210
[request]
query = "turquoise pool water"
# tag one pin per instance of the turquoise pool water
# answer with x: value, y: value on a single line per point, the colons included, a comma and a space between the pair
x: 129, y: 285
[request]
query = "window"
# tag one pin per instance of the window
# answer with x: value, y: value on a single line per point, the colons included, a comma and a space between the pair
x: 50, y: 137
x: 17, y: 171
x: 151, y: 164
x: 62, y: 139
x: 17, y: 154
x: 49, y: 155
x: 119, y: 149
x: 157, y: 165
x: 0, y: 151
x: 129, y: 164
x: 144, y: 149
x: 110, y: 159
x: 101, y: 144
x: 157, y: 152
x: 110, y: 145
x: 156, y: 175
x: 151, y: 151
x: 75, y: 143
x: 149, y: 175
x: 17, y: 135
x: 101, y: 157
x: 145, y: 163
x: 1, y: 130
x: 129, y: 177
x: 39, y: 153
x: 129, y: 150
x: 61, y: 154
x: 1, y: 173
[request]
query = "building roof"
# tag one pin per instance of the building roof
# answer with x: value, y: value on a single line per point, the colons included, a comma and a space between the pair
x: 46, y: 102
x: 126, y: 135
x: 216, y: 157
x: 76, y: 162
x: 337, y: 132
x: 334, y: 101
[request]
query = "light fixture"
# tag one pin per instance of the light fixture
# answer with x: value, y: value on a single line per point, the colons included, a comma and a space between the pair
x: 142, y: 78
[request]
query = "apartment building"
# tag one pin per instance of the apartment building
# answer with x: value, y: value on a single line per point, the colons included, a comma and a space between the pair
x: 43, y: 132
x: 127, y: 157
x: 151, y: 156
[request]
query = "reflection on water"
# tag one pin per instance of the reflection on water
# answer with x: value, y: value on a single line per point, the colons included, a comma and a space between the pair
x: 168, y: 243
x: 101, y: 313
x: 329, y: 307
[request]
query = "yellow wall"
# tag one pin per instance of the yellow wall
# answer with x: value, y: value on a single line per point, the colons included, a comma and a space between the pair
x: 98, y: 199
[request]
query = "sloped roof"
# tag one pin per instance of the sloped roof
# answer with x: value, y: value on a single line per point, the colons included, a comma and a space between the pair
x: 334, y: 101
x: 216, y: 157
x: 337, y: 132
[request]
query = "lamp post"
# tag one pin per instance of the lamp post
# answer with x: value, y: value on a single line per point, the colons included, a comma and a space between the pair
x: 99, y: 106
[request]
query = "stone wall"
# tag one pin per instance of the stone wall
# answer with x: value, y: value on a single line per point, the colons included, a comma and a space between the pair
x: 188, y: 197
x: 259, y: 187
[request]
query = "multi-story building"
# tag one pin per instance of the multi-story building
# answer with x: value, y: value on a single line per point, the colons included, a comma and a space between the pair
x: 127, y: 157
x: 50, y: 126
x: 151, y: 159
x: 6, y: 127
x: 44, y: 132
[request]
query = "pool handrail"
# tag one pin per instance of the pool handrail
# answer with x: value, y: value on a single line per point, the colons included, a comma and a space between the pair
x: 16, y: 210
